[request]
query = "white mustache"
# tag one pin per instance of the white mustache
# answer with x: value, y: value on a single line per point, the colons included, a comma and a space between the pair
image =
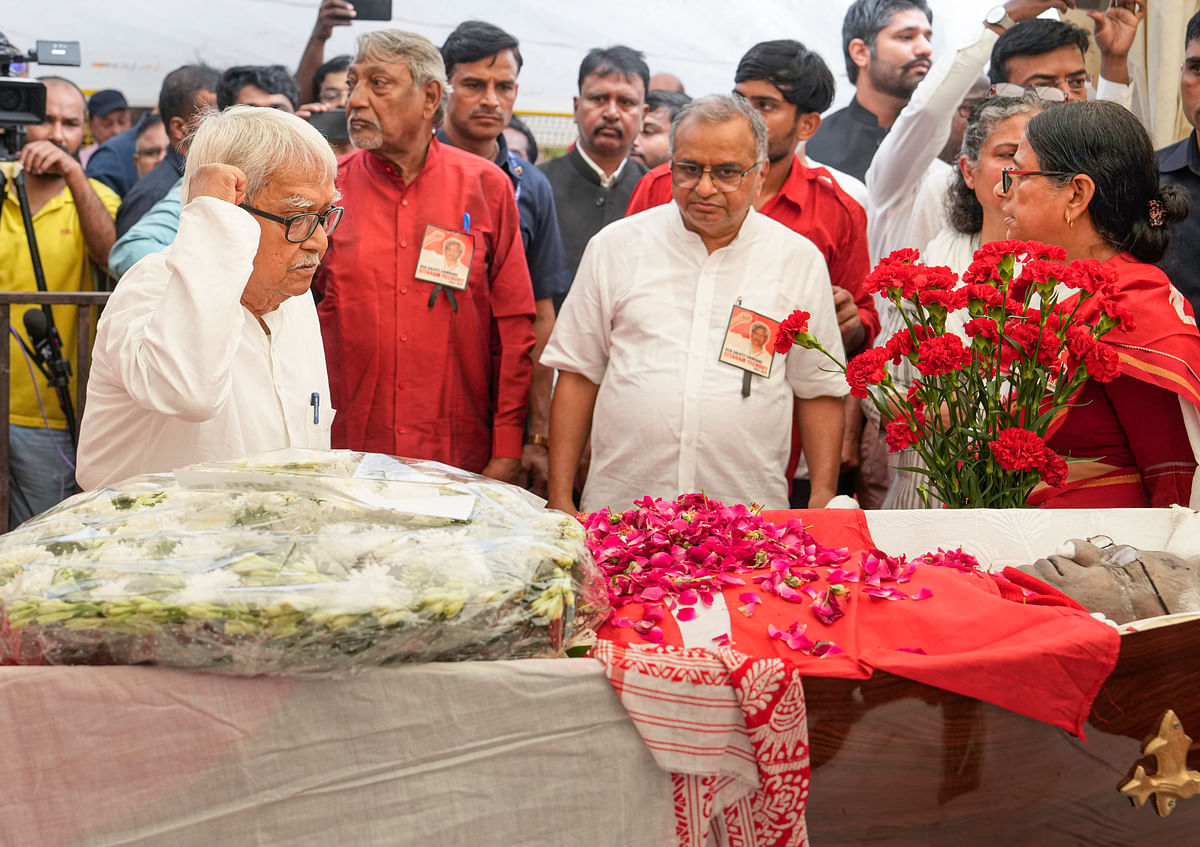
x: 310, y: 260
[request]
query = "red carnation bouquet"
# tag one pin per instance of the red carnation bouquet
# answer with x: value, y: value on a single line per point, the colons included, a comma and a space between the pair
x: 984, y: 400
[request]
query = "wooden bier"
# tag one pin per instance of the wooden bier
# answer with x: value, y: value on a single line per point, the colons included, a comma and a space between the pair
x: 902, y: 764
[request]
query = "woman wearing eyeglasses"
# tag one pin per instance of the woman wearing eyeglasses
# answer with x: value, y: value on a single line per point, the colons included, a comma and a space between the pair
x: 1084, y: 177
x: 994, y: 128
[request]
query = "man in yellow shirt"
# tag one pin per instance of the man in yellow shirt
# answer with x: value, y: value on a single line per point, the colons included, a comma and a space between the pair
x: 73, y: 222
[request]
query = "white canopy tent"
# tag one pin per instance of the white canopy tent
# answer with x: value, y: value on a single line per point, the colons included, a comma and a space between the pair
x: 131, y: 44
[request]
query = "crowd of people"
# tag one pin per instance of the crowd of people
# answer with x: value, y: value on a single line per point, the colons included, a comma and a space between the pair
x: 565, y: 325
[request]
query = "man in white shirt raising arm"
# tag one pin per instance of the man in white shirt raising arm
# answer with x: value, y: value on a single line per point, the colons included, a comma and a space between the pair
x: 641, y: 342
x: 211, y: 349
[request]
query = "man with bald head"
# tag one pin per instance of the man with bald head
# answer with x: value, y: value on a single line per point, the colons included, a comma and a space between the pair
x: 640, y: 343
x: 73, y: 224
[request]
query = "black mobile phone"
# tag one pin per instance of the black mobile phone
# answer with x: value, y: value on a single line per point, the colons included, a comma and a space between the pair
x: 1092, y: 5
x: 331, y: 124
x: 372, y: 10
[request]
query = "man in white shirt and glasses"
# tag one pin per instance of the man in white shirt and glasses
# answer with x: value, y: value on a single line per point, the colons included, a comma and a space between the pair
x: 639, y: 342
x: 211, y: 349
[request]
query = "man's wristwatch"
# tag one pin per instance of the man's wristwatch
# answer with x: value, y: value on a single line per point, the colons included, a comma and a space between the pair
x: 538, y: 439
x: 998, y: 16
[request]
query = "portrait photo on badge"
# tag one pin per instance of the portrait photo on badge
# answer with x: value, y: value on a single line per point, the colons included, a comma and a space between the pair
x: 750, y: 341
x: 445, y: 257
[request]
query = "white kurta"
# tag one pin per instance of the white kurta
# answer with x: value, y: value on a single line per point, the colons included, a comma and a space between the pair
x: 184, y: 373
x: 646, y: 319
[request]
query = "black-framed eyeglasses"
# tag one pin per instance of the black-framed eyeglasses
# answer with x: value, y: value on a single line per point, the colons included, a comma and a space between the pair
x: 1007, y: 174
x: 1042, y: 92
x: 724, y: 177
x: 299, y: 228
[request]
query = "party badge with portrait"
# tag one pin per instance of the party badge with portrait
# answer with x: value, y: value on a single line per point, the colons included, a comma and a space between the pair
x: 445, y: 257
x: 750, y: 341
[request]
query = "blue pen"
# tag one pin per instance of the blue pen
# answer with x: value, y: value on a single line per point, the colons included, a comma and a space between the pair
x: 315, y: 402
x: 466, y: 221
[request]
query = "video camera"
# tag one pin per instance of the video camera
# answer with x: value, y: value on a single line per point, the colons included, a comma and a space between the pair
x: 23, y: 101
x: 22, y: 104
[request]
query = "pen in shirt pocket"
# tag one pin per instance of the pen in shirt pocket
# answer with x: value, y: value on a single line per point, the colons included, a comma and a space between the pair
x: 315, y: 402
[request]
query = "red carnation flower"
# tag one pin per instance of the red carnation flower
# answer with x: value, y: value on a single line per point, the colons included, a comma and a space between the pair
x: 1054, y: 468
x: 949, y: 300
x: 1102, y: 363
x: 795, y: 324
x: 982, y: 271
x: 938, y: 278
x: 1018, y: 449
x: 1000, y: 249
x: 982, y: 328
x: 900, y: 435
x: 1095, y: 276
x: 980, y: 292
x: 888, y: 278
x: 1035, y: 250
x: 1121, y: 317
x: 867, y: 368
x: 1044, y: 273
x: 942, y: 355
x: 1079, y: 343
x: 1026, y: 338
x: 905, y: 256
x: 905, y: 430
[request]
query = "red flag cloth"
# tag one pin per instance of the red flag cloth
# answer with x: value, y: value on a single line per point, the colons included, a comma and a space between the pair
x: 973, y: 635
x: 730, y: 729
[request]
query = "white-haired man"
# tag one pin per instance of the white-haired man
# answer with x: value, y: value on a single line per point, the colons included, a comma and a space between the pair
x: 639, y: 343
x: 211, y: 349
x: 422, y: 365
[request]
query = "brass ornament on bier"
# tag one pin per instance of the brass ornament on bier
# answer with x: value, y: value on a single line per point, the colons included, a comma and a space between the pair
x: 1171, y: 781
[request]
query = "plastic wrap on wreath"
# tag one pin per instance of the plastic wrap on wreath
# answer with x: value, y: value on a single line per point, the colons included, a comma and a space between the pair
x: 296, y: 561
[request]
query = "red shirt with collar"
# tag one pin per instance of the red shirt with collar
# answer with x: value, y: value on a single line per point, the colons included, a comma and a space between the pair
x: 812, y: 204
x: 408, y: 379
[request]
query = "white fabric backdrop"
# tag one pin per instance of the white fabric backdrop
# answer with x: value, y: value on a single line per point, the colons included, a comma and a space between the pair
x: 132, y: 44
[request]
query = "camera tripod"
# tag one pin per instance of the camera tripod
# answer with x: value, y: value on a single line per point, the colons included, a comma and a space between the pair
x: 44, y: 339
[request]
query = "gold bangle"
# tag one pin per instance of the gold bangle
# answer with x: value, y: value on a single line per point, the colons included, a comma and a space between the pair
x: 538, y: 439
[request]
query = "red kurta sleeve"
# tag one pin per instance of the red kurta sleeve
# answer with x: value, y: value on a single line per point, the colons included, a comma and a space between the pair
x: 852, y: 265
x: 653, y: 189
x: 512, y: 321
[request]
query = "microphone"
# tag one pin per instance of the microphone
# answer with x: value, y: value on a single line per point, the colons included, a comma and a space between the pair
x: 46, y: 347
x: 36, y: 327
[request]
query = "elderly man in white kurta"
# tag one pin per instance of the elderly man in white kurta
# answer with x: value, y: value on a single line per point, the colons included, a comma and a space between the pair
x: 211, y: 349
x: 639, y: 342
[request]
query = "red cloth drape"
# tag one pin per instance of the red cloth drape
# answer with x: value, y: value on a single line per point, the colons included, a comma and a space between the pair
x: 980, y: 636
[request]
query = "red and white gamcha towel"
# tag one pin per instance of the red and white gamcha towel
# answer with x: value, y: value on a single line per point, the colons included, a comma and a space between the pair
x: 731, y: 730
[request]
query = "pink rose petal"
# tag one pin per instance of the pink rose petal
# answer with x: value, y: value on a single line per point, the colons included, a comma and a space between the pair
x: 826, y: 648
x: 685, y: 614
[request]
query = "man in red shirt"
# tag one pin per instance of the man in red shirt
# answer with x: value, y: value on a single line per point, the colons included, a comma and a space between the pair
x: 790, y: 86
x: 420, y: 366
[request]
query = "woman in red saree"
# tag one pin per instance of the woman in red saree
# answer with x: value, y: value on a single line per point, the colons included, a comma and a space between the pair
x: 1085, y: 177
